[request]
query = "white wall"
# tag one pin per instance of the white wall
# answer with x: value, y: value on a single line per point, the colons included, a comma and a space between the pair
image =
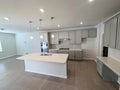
x: 8, y: 43
x: 25, y: 45
x: 114, y: 53
x: 90, y: 48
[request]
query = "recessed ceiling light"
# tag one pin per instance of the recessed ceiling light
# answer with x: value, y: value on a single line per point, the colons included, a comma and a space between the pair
x: 58, y: 25
x: 6, y: 18
x: 81, y: 22
x: 42, y: 10
x: 91, y: 0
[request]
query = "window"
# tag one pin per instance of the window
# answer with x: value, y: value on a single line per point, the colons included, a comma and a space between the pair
x: 0, y: 47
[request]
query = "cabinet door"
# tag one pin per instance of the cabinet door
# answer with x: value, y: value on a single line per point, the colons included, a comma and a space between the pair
x: 63, y: 35
x: 78, y: 55
x: 71, y: 55
x: 72, y: 37
x: 118, y: 35
x: 54, y: 38
x: 84, y: 33
x: 77, y: 37
x: 92, y: 33
x: 52, y: 51
x: 113, y: 30
x: 106, y: 34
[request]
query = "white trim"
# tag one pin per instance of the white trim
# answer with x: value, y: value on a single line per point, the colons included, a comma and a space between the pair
x: 8, y: 56
x: 70, y: 29
x: 43, y: 73
x: 93, y: 59
x: 1, y: 50
x: 111, y: 17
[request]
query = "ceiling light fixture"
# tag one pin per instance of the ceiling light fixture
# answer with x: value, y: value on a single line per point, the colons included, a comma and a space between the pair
x: 91, y: 0
x: 42, y: 10
x: 52, y: 18
x: 40, y: 23
x: 58, y: 25
x: 31, y: 37
x: 81, y: 23
x: 6, y: 18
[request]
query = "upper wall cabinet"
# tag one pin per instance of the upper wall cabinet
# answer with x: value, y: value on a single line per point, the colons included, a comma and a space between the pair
x: 113, y: 30
x: 110, y: 33
x: 77, y: 37
x: 63, y: 35
x: 106, y: 34
x: 43, y: 36
x: 84, y: 34
x: 92, y: 33
x: 54, y: 38
x: 71, y: 36
x: 118, y: 34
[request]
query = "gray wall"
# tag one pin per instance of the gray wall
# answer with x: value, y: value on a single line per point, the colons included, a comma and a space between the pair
x: 8, y: 42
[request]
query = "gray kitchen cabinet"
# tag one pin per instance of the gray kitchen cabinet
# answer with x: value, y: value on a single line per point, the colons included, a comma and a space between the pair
x: 78, y: 55
x: 78, y: 37
x: 71, y: 55
x: 108, y: 74
x: 52, y: 50
x: 105, y: 72
x: 71, y: 35
x: 63, y: 51
x: 43, y: 37
x: 54, y: 38
x: 63, y: 35
x: 99, y: 67
x: 106, y: 34
x: 110, y: 33
x: 113, y: 30
x: 84, y: 33
x: 118, y: 34
x: 92, y: 33
x: 75, y: 55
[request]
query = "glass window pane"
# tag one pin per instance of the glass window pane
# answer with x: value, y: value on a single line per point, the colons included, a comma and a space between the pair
x: 0, y: 47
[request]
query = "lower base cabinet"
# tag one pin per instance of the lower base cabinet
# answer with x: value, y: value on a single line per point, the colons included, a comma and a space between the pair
x: 105, y: 72
x: 75, y: 55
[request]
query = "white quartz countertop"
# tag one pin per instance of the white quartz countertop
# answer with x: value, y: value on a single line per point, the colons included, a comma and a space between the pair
x: 56, y: 58
x: 113, y: 64
x: 70, y: 49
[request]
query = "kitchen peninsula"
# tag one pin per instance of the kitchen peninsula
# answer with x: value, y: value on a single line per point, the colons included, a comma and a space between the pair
x: 48, y: 64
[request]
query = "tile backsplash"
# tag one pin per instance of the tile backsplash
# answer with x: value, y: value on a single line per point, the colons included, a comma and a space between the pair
x: 66, y: 44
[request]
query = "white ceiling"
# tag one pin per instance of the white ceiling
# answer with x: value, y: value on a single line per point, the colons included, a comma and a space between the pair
x: 67, y: 13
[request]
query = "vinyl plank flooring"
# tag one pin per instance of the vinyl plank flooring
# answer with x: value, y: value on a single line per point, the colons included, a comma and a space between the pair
x: 82, y: 75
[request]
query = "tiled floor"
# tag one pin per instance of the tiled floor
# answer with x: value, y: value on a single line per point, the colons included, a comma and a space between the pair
x: 82, y: 75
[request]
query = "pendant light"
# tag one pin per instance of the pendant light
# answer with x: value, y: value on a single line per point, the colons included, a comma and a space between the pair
x: 52, y: 35
x: 41, y: 36
x: 40, y: 20
x: 31, y: 37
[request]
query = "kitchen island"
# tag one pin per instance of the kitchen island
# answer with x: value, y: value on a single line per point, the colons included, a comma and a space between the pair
x: 47, y: 64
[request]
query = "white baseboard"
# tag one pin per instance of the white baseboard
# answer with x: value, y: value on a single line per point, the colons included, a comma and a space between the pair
x: 93, y: 59
x: 8, y: 56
